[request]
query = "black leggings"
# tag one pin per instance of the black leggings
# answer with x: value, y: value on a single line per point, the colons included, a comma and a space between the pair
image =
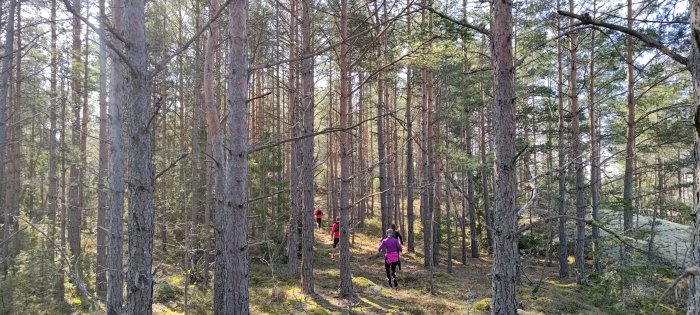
x: 389, y: 266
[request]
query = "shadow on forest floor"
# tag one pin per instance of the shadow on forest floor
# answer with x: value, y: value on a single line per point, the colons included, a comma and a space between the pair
x: 465, y: 291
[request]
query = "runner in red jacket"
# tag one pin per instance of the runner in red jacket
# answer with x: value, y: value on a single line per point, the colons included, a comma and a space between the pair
x: 319, y: 216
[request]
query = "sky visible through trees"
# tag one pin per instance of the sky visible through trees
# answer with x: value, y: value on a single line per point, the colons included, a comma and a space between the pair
x: 167, y: 155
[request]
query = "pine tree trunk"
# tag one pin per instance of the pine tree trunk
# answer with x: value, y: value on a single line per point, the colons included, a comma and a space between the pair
x: 294, y: 163
x: 74, y: 202
x: 563, y: 245
x: 485, y: 184
x: 216, y: 142
x: 139, y: 160
x: 307, y: 176
x: 628, y: 181
x: 448, y: 209
x: 595, y: 154
x: 410, y: 176
x: 576, y: 153
x: 236, y: 232
x: 53, y: 193
x: 694, y: 66
x: 102, y: 194
x: 473, y: 235
x: 505, y: 258
x: 115, y: 277
x: 346, y: 288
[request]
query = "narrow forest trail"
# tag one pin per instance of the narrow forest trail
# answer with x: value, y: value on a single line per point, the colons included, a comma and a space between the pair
x: 465, y: 291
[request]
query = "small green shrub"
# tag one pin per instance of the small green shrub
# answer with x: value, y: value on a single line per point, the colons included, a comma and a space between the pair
x: 166, y: 292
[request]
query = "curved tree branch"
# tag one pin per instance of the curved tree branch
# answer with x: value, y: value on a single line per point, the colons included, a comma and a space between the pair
x: 586, y: 19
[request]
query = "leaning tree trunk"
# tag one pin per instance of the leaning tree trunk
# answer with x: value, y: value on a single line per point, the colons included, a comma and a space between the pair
x: 505, y: 258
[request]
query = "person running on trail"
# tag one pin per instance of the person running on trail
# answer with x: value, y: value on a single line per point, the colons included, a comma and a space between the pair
x: 391, y: 247
x: 319, y: 216
x: 397, y: 235
x: 335, y: 232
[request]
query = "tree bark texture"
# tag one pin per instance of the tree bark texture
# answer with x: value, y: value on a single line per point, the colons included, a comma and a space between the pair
x: 346, y: 288
x: 139, y: 155
x: 576, y: 152
x: 505, y: 258
x: 115, y: 277
x: 307, y: 103
x: 563, y: 245
x: 236, y: 300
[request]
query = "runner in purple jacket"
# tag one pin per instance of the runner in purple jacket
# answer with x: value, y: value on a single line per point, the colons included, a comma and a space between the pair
x: 391, y: 248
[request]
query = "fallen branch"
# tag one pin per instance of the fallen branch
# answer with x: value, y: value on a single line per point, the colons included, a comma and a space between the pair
x: 692, y: 270
x: 590, y: 221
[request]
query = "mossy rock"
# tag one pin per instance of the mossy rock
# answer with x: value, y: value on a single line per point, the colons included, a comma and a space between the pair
x: 483, y: 304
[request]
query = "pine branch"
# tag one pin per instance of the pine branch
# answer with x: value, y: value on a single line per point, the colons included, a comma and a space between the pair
x: 586, y: 19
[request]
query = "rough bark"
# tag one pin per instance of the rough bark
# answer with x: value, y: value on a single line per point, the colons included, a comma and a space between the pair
x: 294, y: 171
x: 346, y: 288
x: 74, y: 202
x: 485, y: 173
x: 115, y: 277
x: 628, y: 179
x: 595, y: 154
x: 307, y: 176
x: 694, y: 66
x: 410, y: 174
x: 140, y: 183
x: 473, y: 235
x: 53, y: 193
x: 576, y: 152
x: 4, y: 90
x: 235, y: 234
x: 102, y: 194
x: 214, y: 136
x: 505, y: 258
x: 563, y: 245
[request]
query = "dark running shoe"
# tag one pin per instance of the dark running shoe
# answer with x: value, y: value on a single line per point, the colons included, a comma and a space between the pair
x: 396, y: 281
x: 389, y: 282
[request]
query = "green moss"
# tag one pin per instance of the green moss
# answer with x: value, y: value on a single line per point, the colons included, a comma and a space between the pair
x: 362, y: 282
x: 483, y: 304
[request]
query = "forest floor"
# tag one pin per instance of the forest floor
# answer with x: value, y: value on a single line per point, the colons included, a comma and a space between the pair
x: 466, y: 290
